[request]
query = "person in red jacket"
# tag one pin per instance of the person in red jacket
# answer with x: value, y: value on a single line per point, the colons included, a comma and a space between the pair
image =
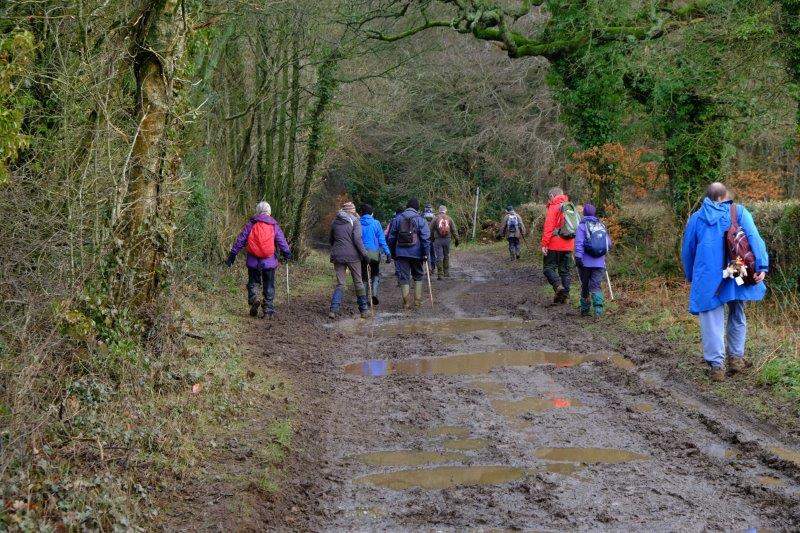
x: 557, y: 250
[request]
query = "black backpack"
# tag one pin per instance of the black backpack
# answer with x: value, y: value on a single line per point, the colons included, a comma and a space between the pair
x: 407, y: 234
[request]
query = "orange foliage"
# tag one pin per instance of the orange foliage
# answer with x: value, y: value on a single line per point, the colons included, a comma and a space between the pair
x: 614, y: 165
x: 755, y: 185
x: 611, y: 220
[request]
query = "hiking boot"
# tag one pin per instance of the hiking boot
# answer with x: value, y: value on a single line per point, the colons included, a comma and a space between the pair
x: 736, y: 364
x: 418, y: 294
x: 406, y: 290
x: 254, y: 305
x: 717, y: 373
x: 561, y: 295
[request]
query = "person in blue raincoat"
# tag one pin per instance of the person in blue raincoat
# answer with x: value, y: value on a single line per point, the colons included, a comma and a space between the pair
x: 703, y: 256
x: 375, y: 243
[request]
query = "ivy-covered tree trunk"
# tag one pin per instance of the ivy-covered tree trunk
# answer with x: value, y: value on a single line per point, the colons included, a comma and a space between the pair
x: 697, y: 148
x: 294, y: 118
x: 144, y: 220
x: 326, y: 87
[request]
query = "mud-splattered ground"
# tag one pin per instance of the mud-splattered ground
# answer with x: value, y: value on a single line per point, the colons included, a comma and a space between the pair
x: 526, y: 419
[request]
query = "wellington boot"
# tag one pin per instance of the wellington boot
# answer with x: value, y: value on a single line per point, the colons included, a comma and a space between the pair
x: 439, y: 271
x: 254, y: 305
x: 585, y: 306
x: 446, y: 267
x: 418, y: 294
x: 406, y: 291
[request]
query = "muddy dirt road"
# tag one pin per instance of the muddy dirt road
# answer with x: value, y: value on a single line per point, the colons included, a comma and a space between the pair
x: 497, y: 410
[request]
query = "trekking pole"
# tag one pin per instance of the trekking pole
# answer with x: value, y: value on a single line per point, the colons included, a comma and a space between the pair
x: 288, y: 299
x: 430, y: 289
x: 610, y: 290
x: 369, y: 288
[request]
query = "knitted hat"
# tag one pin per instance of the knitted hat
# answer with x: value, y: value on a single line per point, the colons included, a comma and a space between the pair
x: 413, y: 203
x: 509, y: 208
x: 349, y: 207
x: 589, y: 210
x: 442, y: 209
x: 263, y: 208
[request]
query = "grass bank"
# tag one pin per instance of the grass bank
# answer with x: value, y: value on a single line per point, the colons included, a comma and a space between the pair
x: 103, y: 429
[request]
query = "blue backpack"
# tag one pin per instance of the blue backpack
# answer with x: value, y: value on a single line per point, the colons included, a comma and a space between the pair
x: 596, y: 243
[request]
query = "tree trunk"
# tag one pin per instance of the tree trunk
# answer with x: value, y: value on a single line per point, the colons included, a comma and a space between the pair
x: 144, y: 223
x: 294, y: 118
x: 280, y: 156
x: 326, y: 86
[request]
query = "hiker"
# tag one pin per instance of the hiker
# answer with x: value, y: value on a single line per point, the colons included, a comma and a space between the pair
x: 443, y: 229
x: 389, y: 224
x: 558, y: 240
x: 706, y: 263
x: 347, y: 253
x: 428, y: 215
x: 513, y: 229
x: 375, y: 243
x: 260, y: 237
x: 409, y: 240
x: 592, y: 243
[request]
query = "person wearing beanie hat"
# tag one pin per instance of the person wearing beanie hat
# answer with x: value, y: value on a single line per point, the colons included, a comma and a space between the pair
x: 427, y: 214
x: 443, y: 229
x: 409, y: 241
x: 260, y: 237
x: 513, y: 229
x: 347, y: 252
x: 591, y: 246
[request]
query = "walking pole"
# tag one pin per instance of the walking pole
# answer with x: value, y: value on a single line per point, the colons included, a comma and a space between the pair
x: 610, y: 290
x: 369, y: 288
x: 288, y: 299
x: 430, y: 289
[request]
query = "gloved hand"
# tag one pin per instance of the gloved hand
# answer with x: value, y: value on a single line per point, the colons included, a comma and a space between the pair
x: 424, y: 258
x: 287, y: 256
x: 231, y: 258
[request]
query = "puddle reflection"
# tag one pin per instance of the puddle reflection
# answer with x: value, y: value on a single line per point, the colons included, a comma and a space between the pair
x: 512, y: 408
x: 444, y: 477
x: 409, y: 458
x: 477, y: 363
x: 588, y: 455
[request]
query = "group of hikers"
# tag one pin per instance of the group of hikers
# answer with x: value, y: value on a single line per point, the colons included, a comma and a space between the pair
x: 724, y: 259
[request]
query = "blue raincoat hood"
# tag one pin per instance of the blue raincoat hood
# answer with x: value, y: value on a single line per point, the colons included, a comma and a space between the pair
x: 703, y: 256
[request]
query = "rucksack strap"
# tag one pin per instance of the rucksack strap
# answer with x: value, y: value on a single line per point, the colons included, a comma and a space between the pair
x: 734, y: 217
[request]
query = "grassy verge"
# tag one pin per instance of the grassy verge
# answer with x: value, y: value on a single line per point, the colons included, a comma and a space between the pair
x: 132, y: 422
x: 658, y: 305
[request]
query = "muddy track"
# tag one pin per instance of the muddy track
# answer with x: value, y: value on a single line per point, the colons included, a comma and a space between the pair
x: 578, y: 439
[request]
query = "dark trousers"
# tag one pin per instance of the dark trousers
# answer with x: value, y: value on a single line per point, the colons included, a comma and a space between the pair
x: 513, y: 247
x: 591, y: 279
x: 557, y: 268
x: 371, y: 272
x: 265, y: 280
x: 408, y: 268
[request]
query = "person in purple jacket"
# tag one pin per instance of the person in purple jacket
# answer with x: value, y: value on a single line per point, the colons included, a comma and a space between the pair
x: 591, y: 246
x: 261, y: 270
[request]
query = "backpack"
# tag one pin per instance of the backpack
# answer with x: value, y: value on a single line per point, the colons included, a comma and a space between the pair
x: 596, y: 243
x: 737, y: 247
x: 261, y: 241
x: 569, y: 224
x: 512, y: 224
x: 407, y: 232
x: 443, y: 227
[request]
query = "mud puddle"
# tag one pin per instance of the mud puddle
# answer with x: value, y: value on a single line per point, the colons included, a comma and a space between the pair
x: 489, y: 387
x: 512, y: 408
x: 478, y: 363
x: 787, y: 455
x: 455, y: 326
x: 588, y: 455
x: 409, y: 458
x: 444, y: 477
x: 466, y: 444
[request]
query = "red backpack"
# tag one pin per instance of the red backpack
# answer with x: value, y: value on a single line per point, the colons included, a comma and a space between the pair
x: 261, y: 241
x: 737, y: 247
